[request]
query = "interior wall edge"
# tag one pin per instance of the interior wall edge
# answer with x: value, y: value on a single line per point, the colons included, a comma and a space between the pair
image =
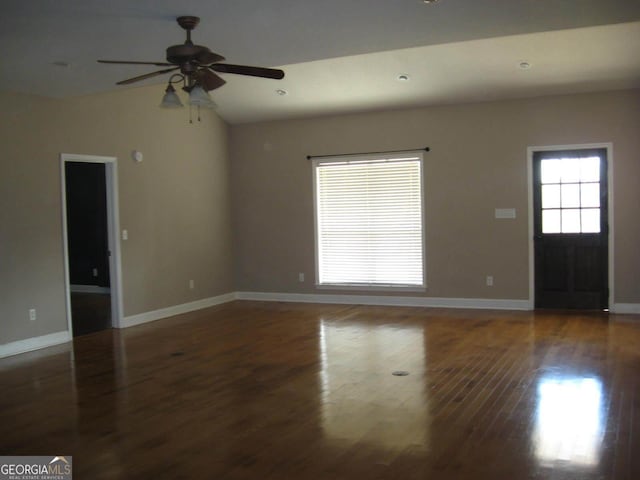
x: 50, y: 340
x: 35, y: 343
x: 159, y: 314
x: 626, y: 308
x: 385, y: 300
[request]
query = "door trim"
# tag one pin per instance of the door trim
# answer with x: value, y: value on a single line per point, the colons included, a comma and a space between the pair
x: 608, y: 146
x: 113, y: 227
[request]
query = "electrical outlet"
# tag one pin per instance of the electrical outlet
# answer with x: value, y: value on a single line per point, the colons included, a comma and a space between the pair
x: 32, y: 314
x: 301, y: 277
x: 192, y: 284
x: 95, y: 272
x: 489, y: 281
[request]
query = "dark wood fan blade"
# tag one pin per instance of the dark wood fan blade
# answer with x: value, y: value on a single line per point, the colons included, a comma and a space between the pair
x: 207, y: 57
x: 247, y: 70
x: 209, y: 80
x: 125, y: 62
x: 146, y: 75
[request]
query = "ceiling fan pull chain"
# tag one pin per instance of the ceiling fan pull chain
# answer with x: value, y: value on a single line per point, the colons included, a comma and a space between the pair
x: 199, y: 113
x: 190, y: 119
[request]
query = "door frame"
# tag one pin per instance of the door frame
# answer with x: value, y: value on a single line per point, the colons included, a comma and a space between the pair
x: 608, y: 146
x: 113, y: 227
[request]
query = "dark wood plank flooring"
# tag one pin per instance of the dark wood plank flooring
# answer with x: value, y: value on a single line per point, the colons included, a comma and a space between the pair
x: 90, y: 312
x: 252, y: 390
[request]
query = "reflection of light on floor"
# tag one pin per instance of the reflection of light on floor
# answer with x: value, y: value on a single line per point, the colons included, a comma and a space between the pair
x: 569, y: 421
x: 361, y: 399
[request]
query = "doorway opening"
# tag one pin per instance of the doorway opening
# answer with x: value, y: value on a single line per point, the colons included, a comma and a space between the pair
x: 91, y: 250
x: 570, y: 213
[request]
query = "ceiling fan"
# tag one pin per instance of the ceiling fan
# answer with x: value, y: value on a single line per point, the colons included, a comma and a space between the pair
x: 197, y: 64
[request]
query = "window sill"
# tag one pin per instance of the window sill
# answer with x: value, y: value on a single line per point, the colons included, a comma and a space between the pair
x: 371, y: 288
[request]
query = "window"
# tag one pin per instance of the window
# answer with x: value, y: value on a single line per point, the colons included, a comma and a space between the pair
x: 570, y: 195
x: 369, y: 226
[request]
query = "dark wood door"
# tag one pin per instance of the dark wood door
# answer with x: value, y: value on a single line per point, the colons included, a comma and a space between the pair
x: 571, y: 229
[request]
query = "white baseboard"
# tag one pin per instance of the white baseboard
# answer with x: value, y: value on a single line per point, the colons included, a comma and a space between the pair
x: 35, y: 343
x: 386, y: 300
x: 88, y: 289
x: 146, y: 317
x: 633, y: 308
x: 30, y: 344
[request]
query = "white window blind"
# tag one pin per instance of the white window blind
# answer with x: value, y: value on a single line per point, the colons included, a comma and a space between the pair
x: 369, y: 221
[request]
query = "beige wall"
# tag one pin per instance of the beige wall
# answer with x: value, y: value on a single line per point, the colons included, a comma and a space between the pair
x: 478, y: 162
x: 175, y: 204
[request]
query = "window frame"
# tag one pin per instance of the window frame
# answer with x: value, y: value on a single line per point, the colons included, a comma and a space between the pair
x: 315, y: 162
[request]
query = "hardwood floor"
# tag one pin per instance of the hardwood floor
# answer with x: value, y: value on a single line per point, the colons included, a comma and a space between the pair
x: 90, y: 312
x: 252, y: 390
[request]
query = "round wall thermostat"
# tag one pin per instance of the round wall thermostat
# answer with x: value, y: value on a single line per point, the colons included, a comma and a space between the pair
x: 137, y: 156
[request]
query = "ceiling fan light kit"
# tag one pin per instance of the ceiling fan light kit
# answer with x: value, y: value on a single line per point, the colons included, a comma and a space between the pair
x: 200, y: 98
x: 198, y: 66
x: 171, y: 98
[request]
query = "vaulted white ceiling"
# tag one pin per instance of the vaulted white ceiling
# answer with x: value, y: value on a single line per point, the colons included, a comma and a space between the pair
x: 338, y: 55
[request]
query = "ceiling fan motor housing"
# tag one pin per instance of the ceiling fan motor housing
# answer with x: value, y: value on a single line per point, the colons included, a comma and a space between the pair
x: 179, y: 54
x: 188, y: 55
x: 197, y: 63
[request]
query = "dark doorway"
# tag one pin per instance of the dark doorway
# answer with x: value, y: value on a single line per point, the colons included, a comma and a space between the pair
x: 571, y: 229
x: 87, y: 234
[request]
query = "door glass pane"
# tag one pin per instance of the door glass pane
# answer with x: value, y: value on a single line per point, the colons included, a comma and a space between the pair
x: 551, y: 221
x: 590, y: 169
x: 570, y: 170
x: 590, y: 195
x: 571, y: 195
x: 550, y: 170
x: 571, y: 221
x: 551, y: 196
x: 590, y: 220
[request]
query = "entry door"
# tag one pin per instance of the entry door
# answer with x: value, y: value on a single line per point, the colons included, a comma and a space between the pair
x: 571, y: 229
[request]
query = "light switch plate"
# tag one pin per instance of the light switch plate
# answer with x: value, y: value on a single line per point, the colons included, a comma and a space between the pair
x: 505, y: 213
